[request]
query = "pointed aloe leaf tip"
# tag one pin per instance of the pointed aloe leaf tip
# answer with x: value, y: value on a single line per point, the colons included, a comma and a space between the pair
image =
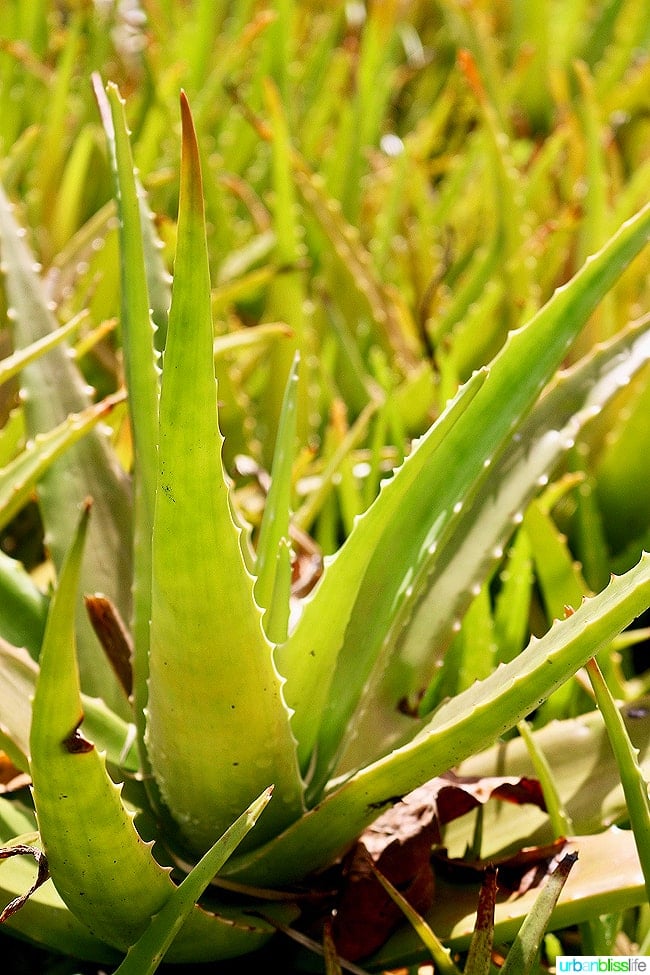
x: 191, y: 178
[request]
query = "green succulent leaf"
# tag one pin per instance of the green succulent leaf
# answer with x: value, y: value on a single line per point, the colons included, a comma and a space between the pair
x: 103, y: 871
x: 465, y: 724
x: 54, y: 388
x: 72, y: 789
x: 142, y: 377
x: 574, y: 399
x: 144, y: 957
x: 390, y: 601
x: 213, y: 745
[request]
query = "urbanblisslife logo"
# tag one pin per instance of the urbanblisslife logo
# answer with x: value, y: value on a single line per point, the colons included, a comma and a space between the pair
x: 602, y: 963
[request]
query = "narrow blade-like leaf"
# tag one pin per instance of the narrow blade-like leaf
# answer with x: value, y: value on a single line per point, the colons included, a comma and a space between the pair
x: 145, y: 956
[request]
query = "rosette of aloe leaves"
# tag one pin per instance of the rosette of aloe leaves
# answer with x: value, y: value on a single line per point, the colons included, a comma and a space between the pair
x: 258, y: 735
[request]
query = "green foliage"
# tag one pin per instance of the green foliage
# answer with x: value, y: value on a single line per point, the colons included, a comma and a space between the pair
x: 382, y: 342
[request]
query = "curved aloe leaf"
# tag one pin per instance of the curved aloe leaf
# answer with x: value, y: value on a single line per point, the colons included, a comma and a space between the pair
x: 72, y: 789
x: 19, y: 674
x: 144, y: 957
x: 208, y: 648
x: 390, y: 590
x: 464, y: 725
x: 104, y: 872
x: 466, y: 559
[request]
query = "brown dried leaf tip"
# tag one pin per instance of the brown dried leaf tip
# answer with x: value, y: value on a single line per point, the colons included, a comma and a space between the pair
x: 41, y: 876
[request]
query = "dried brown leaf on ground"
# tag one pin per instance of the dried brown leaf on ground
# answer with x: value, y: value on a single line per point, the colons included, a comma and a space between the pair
x: 399, y: 844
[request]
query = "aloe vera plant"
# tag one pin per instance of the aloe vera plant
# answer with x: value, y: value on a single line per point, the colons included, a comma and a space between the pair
x: 233, y: 693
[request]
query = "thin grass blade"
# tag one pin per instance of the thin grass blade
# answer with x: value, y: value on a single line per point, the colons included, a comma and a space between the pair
x: 524, y: 950
x: 633, y: 780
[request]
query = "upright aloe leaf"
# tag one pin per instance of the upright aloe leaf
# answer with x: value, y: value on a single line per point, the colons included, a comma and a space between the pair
x: 308, y: 658
x: 53, y: 389
x: 141, y: 377
x: 483, y: 530
x: 274, y: 529
x: 218, y: 729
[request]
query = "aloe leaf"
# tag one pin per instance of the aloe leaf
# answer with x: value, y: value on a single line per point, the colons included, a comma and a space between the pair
x: 19, y: 478
x: 451, y: 560
x: 308, y: 658
x: 275, y: 520
x: 71, y: 786
x: 208, y: 648
x: 137, y: 324
x: 54, y: 388
x: 145, y: 956
x: 100, y: 866
x: 141, y: 379
x: 462, y: 726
